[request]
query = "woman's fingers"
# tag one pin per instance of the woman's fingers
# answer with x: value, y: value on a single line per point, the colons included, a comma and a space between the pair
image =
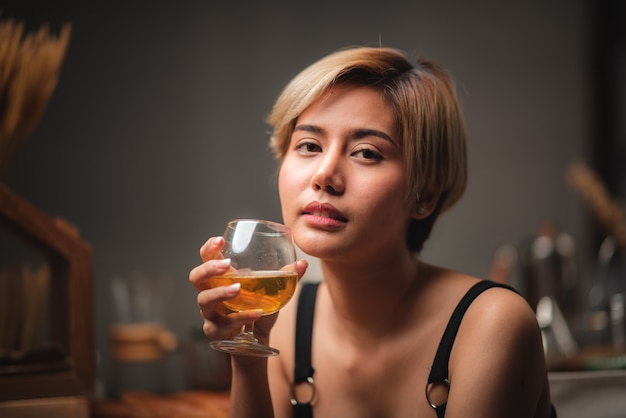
x: 201, y: 274
x: 211, y: 249
x: 219, y: 322
x: 228, y: 326
x: 301, y: 267
x: 210, y: 299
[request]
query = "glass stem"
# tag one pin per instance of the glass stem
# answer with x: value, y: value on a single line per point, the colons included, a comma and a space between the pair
x: 247, y: 334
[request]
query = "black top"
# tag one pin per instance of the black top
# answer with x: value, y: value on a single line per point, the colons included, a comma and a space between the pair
x: 303, y: 371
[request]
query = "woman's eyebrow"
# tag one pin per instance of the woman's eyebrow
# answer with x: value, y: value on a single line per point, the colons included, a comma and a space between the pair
x: 364, y: 132
x: 308, y: 128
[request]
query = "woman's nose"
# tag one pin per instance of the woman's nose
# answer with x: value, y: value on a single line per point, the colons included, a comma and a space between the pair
x: 329, y: 175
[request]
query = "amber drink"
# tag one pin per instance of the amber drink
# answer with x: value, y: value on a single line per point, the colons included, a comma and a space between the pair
x: 266, y: 290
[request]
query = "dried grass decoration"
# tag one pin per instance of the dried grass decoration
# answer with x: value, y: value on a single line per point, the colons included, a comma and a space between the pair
x: 29, y: 72
x: 608, y: 209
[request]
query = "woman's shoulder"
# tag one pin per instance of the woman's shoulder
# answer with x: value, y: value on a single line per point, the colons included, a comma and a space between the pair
x: 501, y: 310
x: 493, y: 303
x: 497, y: 317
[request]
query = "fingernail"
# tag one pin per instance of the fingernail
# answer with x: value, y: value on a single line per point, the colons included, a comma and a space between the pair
x: 224, y: 262
x: 233, y: 289
x: 255, y: 314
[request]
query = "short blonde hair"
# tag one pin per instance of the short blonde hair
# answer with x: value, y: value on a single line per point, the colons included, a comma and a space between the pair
x: 428, y: 115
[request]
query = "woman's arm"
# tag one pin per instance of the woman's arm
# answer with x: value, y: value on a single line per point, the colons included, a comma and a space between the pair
x: 249, y: 393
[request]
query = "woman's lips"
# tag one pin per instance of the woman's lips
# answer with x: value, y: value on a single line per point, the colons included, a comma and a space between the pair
x: 323, y: 214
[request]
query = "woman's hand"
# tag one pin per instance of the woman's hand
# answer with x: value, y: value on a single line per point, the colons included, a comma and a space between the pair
x: 219, y: 322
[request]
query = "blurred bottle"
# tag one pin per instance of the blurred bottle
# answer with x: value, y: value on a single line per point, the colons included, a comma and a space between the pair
x: 141, y: 348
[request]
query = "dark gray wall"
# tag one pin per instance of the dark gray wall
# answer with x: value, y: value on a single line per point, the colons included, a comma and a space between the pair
x: 155, y: 136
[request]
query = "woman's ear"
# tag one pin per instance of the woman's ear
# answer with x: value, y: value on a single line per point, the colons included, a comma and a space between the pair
x: 424, y: 205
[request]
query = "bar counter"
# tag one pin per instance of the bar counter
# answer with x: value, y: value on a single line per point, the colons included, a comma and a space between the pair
x: 193, y: 404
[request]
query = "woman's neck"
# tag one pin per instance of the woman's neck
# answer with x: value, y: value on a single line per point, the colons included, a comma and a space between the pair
x: 368, y: 297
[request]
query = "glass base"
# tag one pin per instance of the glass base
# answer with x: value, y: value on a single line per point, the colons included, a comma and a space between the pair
x: 244, y: 348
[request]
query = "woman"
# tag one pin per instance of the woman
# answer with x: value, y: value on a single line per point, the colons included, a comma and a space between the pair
x: 372, y: 150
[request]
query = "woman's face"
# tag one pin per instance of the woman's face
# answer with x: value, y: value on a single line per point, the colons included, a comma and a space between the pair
x: 342, y: 181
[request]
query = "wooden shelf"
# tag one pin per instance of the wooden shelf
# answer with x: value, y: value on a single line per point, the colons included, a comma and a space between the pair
x: 71, y: 313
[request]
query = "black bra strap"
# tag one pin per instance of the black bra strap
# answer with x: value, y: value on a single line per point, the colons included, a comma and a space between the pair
x: 303, y: 371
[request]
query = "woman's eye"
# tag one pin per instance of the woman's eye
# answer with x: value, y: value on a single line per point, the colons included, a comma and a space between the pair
x: 368, y: 154
x: 308, y: 147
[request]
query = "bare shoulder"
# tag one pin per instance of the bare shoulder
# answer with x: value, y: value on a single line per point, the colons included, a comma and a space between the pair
x: 497, y: 366
x: 503, y: 324
x: 505, y: 310
x: 500, y: 322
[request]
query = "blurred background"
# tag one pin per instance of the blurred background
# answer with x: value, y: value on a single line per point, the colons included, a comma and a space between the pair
x: 155, y: 135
